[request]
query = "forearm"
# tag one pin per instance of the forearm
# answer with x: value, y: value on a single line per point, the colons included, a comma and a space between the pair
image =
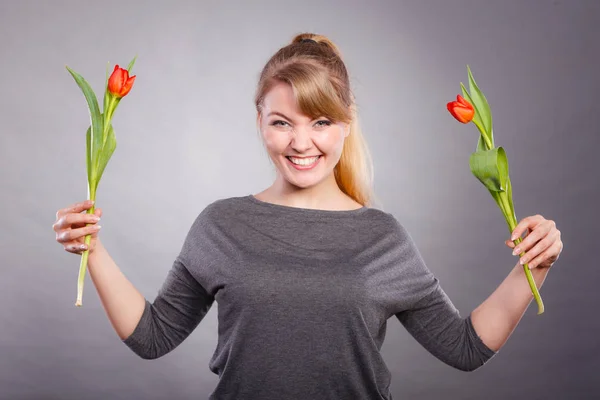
x: 497, y: 317
x: 123, y: 303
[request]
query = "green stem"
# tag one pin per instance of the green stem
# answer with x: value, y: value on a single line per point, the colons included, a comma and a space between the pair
x: 85, y: 254
x: 483, y: 135
x: 512, y: 223
x: 107, y: 114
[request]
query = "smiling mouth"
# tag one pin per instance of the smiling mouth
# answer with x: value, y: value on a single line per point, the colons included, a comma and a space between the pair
x: 303, y: 161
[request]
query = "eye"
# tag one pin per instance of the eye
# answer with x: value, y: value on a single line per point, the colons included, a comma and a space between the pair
x: 276, y: 122
x: 326, y: 122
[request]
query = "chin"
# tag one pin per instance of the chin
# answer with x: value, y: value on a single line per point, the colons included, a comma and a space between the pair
x: 301, y: 185
x: 304, y: 182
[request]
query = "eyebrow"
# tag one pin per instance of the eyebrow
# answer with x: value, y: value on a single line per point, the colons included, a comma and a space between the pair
x: 280, y: 114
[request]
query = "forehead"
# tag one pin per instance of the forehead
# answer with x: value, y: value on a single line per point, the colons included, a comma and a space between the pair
x: 282, y: 102
x: 281, y: 98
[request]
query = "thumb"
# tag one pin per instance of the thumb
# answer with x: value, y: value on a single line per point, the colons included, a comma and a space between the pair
x: 509, y: 243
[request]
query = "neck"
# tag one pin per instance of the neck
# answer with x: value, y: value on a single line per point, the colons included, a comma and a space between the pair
x: 324, y: 195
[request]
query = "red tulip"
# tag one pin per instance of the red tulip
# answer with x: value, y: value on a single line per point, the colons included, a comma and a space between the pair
x: 461, y: 109
x: 120, y: 83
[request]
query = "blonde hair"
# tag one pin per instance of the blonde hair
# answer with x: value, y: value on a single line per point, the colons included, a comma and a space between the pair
x: 321, y: 86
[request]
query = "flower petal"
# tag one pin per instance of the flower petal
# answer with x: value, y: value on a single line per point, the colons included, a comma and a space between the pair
x: 127, y: 86
x: 462, y: 113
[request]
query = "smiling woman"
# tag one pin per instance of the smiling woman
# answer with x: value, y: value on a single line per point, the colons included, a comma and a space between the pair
x: 309, y: 126
x: 300, y: 141
x: 305, y: 274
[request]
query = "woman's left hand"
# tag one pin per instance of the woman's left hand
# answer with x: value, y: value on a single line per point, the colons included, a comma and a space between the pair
x: 542, y: 244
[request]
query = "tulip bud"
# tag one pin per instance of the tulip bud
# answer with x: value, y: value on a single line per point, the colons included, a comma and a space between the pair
x: 120, y: 83
x: 461, y: 109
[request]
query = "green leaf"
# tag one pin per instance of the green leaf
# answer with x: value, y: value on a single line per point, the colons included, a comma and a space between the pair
x: 130, y: 66
x: 476, y: 120
x: 496, y: 196
x: 95, y: 116
x: 480, y: 103
x: 88, y: 154
x: 97, y: 145
x: 481, y: 144
x: 107, y: 151
x: 106, y: 88
x: 502, y: 161
x: 467, y: 96
x: 510, y: 199
x: 491, y: 168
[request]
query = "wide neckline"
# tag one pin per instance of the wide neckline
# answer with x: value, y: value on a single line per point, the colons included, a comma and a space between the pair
x: 306, y: 211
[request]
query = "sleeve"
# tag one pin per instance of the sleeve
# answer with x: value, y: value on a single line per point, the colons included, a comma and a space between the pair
x: 180, y: 305
x: 432, y: 319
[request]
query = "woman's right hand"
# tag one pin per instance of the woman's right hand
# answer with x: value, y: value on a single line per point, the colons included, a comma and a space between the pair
x: 71, y: 229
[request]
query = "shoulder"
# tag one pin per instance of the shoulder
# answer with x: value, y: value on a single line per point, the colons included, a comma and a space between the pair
x: 387, y: 222
x: 220, y: 209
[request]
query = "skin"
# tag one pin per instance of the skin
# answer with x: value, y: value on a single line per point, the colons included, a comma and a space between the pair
x: 291, y: 133
x: 497, y: 317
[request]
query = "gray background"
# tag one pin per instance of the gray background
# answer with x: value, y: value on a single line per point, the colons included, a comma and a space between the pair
x: 186, y: 137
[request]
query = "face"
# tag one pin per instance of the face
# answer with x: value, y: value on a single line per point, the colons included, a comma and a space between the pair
x: 287, y: 133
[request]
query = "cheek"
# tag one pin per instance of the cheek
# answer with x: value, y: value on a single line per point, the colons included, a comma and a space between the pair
x: 276, y: 143
x: 330, y: 141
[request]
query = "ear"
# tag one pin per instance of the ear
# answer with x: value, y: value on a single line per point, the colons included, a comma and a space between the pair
x: 346, y: 130
x: 258, y: 117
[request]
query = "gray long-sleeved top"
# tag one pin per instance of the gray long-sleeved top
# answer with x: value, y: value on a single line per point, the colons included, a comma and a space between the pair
x: 303, y: 297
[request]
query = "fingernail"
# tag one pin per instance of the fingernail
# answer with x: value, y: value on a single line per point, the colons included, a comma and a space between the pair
x: 513, y: 237
x: 516, y: 251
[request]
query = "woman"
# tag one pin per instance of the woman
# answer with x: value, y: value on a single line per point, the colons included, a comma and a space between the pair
x: 306, y: 274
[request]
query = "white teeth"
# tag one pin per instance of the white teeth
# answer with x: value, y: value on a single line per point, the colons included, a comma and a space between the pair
x: 303, y: 161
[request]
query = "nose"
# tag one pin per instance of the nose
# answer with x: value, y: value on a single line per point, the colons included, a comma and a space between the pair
x: 301, y: 140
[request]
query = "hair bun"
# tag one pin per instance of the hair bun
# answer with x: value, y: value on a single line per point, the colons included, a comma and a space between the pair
x: 322, y: 40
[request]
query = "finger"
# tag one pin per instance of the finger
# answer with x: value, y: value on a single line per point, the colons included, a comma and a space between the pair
x: 527, y: 222
x: 77, y: 207
x: 74, y: 220
x: 76, y: 248
x: 547, y: 241
x: 68, y: 235
x: 550, y: 252
x: 530, y: 240
x: 511, y: 243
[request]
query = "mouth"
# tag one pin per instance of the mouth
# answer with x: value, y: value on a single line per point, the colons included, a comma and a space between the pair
x: 304, y: 163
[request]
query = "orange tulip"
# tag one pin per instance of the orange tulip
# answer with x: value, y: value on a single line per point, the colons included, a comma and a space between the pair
x: 120, y: 83
x: 461, y: 109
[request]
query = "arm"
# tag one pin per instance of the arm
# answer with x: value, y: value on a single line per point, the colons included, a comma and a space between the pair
x: 497, y: 317
x: 177, y: 310
x: 122, y: 302
x: 149, y: 329
x: 436, y: 324
x: 428, y: 314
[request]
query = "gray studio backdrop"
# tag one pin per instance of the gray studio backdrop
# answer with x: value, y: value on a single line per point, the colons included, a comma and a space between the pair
x: 186, y: 137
